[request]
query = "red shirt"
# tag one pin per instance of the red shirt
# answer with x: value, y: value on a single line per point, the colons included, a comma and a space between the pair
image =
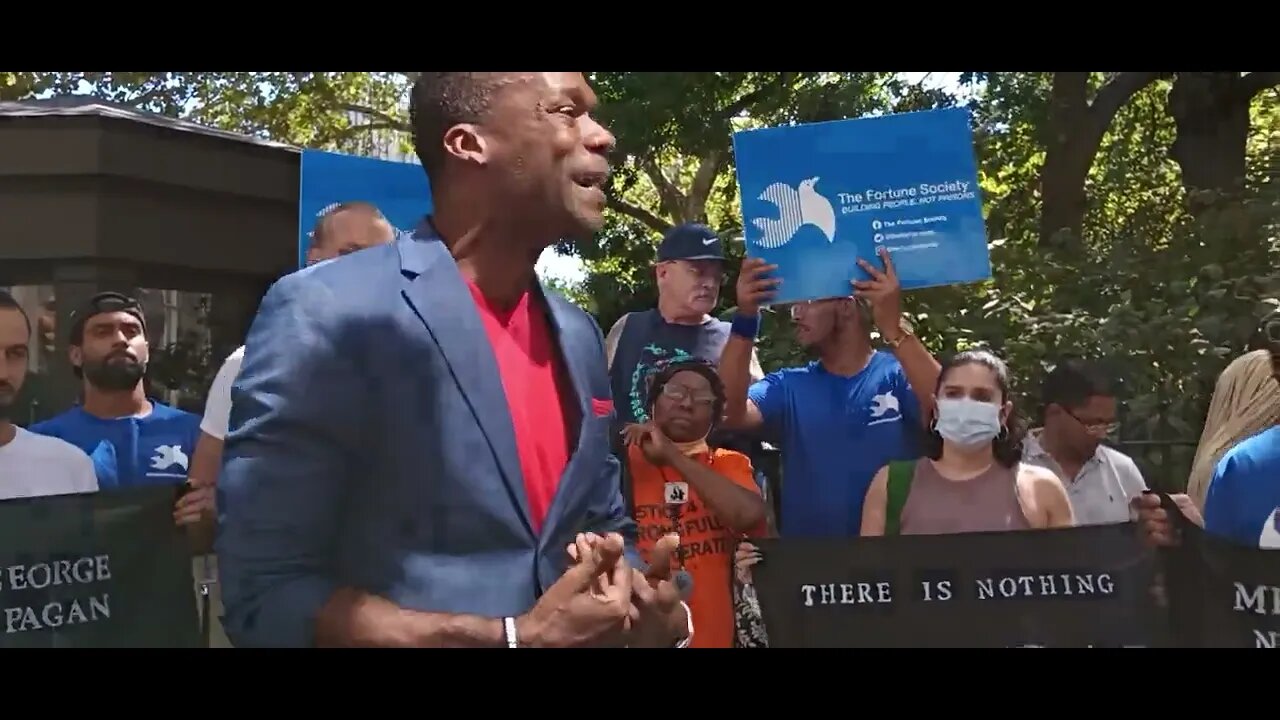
x: 534, y: 380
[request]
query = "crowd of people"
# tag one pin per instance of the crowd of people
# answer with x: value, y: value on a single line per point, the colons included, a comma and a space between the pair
x: 420, y: 446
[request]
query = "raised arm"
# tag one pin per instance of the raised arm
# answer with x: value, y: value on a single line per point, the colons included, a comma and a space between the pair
x: 884, y: 293
x: 735, y: 370
x: 739, y: 366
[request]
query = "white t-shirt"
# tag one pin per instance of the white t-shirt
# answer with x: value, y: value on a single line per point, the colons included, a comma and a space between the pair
x: 34, y: 465
x: 217, y: 406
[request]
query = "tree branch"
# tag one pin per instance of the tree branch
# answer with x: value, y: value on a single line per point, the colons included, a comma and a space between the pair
x: 751, y: 98
x: 389, y: 120
x: 366, y: 127
x: 1256, y: 82
x: 1118, y: 91
x: 703, y: 181
x: 670, y: 199
x: 638, y: 213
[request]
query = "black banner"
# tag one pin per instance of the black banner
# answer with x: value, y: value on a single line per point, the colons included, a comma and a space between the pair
x: 1077, y: 587
x: 105, y: 569
x: 1221, y: 594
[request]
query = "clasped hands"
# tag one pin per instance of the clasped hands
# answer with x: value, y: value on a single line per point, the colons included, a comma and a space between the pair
x: 601, y: 601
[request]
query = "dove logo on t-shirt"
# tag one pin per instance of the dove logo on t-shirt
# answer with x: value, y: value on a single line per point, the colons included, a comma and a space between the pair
x: 168, y: 461
x: 1270, y: 538
x: 153, y: 449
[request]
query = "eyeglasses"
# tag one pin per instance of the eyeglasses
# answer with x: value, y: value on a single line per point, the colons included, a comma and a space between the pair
x: 681, y: 393
x: 1100, y: 429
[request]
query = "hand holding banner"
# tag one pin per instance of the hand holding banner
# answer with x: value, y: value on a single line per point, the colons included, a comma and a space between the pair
x: 106, y: 569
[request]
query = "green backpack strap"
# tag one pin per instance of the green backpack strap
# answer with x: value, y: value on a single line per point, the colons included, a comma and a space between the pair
x: 901, y: 473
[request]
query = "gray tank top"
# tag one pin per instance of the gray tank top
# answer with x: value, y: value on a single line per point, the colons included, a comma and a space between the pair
x: 985, y: 503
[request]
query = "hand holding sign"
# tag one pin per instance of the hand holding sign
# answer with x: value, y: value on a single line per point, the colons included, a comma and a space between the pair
x: 884, y: 293
x: 754, y: 288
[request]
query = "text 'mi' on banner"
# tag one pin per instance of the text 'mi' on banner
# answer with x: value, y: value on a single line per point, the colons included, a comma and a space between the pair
x: 1223, y: 595
x: 817, y: 197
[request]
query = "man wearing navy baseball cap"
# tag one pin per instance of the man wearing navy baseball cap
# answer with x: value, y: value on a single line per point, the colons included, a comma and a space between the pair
x: 690, y: 242
x: 690, y: 268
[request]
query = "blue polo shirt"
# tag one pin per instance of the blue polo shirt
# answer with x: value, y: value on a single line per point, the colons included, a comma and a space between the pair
x: 131, y: 451
x: 1243, y: 502
x: 835, y: 433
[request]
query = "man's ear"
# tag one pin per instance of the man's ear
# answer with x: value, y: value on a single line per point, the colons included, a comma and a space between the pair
x: 1006, y: 412
x: 465, y: 142
x: 848, y: 308
x: 76, y: 355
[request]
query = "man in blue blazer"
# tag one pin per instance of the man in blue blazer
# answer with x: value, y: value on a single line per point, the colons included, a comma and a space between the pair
x: 419, y: 453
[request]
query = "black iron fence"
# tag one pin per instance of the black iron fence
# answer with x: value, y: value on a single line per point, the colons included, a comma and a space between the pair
x: 1165, y: 464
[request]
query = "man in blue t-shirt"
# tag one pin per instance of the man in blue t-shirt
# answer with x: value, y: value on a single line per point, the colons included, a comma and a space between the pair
x: 838, y: 419
x: 1243, y: 503
x: 131, y: 439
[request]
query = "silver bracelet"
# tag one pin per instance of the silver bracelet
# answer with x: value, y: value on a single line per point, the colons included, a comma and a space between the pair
x: 509, y: 627
x: 688, y: 639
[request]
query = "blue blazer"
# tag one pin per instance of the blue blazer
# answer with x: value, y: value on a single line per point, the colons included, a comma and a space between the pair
x: 371, y: 446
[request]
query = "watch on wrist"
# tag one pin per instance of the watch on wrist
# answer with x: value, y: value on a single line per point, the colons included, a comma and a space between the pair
x: 905, y: 330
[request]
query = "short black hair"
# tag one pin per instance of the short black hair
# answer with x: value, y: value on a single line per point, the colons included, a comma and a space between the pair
x: 9, y: 302
x: 1007, y: 446
x: 1073, y: 381
x: 441, y: 100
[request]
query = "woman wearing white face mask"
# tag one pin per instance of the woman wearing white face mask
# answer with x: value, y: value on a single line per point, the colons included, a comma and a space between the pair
x: 971, y: 479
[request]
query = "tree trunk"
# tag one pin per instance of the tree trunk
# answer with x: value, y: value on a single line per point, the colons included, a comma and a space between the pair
x: 1076, y: 128
x: 1211, y: 111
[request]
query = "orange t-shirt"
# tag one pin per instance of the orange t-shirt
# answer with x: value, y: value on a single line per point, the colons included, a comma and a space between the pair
x: 707, y: 544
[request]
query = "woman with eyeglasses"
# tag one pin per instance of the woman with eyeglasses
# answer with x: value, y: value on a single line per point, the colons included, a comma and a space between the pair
x: 706, y: 495
x: 972, y: 478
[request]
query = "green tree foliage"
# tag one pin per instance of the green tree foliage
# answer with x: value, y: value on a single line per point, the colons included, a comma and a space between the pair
x: 1132, y: 216
x: 336, y: 111
x: 1098, y: 246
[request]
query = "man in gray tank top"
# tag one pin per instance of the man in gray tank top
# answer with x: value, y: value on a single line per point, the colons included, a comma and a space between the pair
x: 690, y: 270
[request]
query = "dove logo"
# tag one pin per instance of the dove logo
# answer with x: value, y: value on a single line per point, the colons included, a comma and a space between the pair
x: 885, y: 408
x: 1270, y: 538
x: 796, y: 208
x: 166, y: 459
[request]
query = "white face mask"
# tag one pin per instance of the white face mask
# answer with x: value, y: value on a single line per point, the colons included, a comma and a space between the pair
x: 966, y: 422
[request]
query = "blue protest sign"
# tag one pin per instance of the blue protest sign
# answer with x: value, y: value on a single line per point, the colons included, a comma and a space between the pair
x: 817, y: 197
x: 400, y: 190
